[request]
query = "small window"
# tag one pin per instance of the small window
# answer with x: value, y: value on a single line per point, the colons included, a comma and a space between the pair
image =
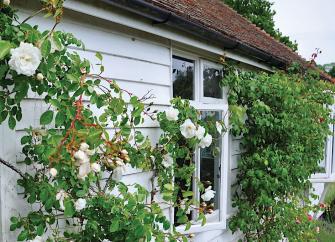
x: 212, y: 75
x: 183, y: 77
x: 210, y: 163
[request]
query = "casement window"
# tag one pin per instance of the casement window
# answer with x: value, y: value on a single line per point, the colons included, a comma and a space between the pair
x: 198, y: 80
x: 327, y: 164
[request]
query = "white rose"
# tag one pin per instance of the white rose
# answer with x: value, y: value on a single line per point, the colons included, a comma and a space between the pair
x: 60, y: 196
x: 40, y: 76
x: 124, y: 152
x: 118, y: 173
x: 172, y: 114
x: 80, y: 204
x: 81, y: 156
x: 209, y: 194
x: 90, y: 152
x: 167, y: 161
x: 37, y: 239
x: 219, y: 127
x: 84, y: 170
x: 96, y: 167
x: 206, y: 141
x: 6, y: 2
x: 119, y: 161
x: 53, y: 172
x: 25, y: 59
x: 188, y: 129
x: 84, y: 147
x: 200, y: 132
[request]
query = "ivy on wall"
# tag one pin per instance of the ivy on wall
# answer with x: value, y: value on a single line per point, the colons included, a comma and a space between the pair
x: 284, y: 120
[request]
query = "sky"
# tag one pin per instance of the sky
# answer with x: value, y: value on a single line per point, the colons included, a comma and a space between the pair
x: 311, y: 23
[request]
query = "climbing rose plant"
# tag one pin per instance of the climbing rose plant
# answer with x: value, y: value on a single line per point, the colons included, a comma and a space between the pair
x: 76, y: 162
x: 284, y: 120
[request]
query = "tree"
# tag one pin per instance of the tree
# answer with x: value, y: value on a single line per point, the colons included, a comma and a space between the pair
x: 260, y: 13
x: 332, y: 72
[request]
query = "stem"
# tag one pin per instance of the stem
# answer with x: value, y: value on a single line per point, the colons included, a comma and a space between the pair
x: 10, y: 166
x: 31, y: 16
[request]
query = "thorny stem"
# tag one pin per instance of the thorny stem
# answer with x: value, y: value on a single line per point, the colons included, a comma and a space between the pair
x: 10, y: 166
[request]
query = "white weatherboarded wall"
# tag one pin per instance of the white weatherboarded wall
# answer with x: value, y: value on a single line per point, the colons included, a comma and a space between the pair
x: 139, y: 61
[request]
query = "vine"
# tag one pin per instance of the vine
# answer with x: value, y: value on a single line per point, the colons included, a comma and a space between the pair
x: 78, y: 158
x: 284, y: 121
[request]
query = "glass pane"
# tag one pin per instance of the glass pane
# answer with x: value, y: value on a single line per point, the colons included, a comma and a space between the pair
x: 183, y: 78
x: 211, y: 78
x: 210, y: 163
x: 322, y: 163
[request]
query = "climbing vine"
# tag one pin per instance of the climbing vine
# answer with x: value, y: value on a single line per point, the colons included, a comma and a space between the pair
x: 284, y: 121
x: 77, y: 159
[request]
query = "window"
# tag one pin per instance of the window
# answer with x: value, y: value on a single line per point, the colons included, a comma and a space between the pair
x: 327, y: 164
x: 198, y: 80
x: 212, y: 75
x: 183, y: 77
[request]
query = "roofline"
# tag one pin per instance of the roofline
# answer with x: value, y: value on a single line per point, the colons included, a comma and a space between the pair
x: 162, y: 16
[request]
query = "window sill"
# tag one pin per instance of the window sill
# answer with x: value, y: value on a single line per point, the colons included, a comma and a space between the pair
x: 211, y: 224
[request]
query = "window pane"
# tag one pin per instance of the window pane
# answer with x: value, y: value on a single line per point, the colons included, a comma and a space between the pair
x: 211, y: 78
x: 210, y: 163
x: 322, y: 163
x: 183, y: 78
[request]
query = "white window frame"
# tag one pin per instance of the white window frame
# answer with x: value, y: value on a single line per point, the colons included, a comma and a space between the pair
x: 208, y: 104
x: 329, y: 156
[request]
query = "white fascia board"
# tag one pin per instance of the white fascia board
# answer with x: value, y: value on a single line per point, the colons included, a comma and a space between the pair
x: 139, y: 23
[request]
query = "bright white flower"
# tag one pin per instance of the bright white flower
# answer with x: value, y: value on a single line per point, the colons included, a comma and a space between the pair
x: 119, y: 161
x: 60, y: 196
x: 80, y: 204
x: 124, y: 152
x: 53, y: 172
x: 206, y: 141
x: 40, y: 76
x: 84, y: 147
x: 106, y: 240
x: 6, y: 2
x: 188, y: 129
x: 172, y: 114
x: 167, y: 161
x: 80, y: 155
x: 209, y: 194
x: 200, y: 132
x: 90, y: 152
x: 118, y: 173
x: 96, y: 167
x: 84, y: 170
x: 219, y: 127
x: 37, y: 239
x: 25, y: 59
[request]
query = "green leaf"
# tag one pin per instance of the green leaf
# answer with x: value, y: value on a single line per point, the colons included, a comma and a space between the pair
x: 99, y: 56
x: 46, y: 48
x: 60, y: 118
x: 46, y: 117
x: 11, y: 122
x: 23, y: 235
x: 5, y: 47
x: 69, y: 208
x: 114, y: 226
x: 81, y: 193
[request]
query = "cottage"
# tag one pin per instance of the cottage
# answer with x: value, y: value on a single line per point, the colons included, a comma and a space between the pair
x: 173, y: 48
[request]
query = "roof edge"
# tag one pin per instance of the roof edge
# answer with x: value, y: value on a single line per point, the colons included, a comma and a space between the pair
x: 162, y: 16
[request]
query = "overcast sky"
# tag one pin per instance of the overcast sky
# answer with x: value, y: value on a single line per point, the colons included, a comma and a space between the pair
x: 311, y: 23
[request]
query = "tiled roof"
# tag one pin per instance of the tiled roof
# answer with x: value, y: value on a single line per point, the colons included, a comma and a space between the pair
x: 214, y: 15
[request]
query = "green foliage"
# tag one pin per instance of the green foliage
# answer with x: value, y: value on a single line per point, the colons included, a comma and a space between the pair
x: 261, y: 14
x: 78, y: 162
x: 332, y: 72
x: 284, y: 130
